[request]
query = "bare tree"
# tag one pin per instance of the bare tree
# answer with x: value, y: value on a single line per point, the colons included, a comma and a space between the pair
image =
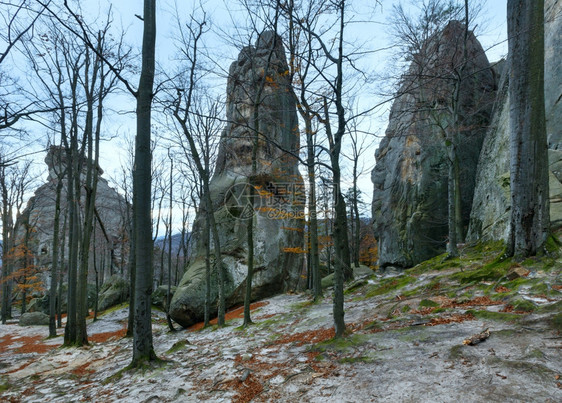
x: 14, y: 182
x: 143, y: 349
x: 76, y: 82
x: 358, y: 148
x: 198, y: 125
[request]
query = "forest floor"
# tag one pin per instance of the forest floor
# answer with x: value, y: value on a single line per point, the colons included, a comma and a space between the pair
x: 408, y: 341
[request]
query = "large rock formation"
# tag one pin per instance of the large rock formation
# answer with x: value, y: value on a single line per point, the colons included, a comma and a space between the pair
x: 39, y: 215
x: 491, y: 209
x: 277, y: 215
x: 410, y: 176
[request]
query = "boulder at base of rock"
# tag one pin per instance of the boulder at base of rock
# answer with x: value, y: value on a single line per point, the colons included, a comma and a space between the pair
x: 34, y: 319
x: 39, y: 305
x: 114, y: 291
x: 159, y: 296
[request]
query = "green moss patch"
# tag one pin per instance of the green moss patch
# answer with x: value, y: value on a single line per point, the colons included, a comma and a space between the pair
x: 354, y: 360
x: 524, y: 305
x: 5, y: 386
x: 355, y: 286
x: 556, y: 322
x: 179, y: 345
x: 427, y: 303
x: 498, y: 316
x: 113, y: 309
x: 490, y: 272
x: 440, y: 262
x: 552, y: 245
x: 342, y: 344
x: 389, y: 284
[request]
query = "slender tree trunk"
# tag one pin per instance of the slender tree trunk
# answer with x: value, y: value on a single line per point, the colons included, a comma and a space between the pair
x: 169, y: 293
x: 343, y: 269
x: 132, y: 276
x: 250, y: 224
x: 312, y: 212
x: 143, y: 349
x: 7, y: 236
x: 250, y: 241
x: 357, y: 234
x: 61, y: 277
x: 341, y: 253
x: 73, y: 233
x: 458, y: 202
x: 530, y: 216
x: 96, y: 271
x: 452, y: 250
x: 207, y: 234
x: 55, y: 262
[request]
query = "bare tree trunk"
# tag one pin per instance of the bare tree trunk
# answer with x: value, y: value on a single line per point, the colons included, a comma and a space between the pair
x: 96, y: 271
x: 7, y: 235
x: 169, y: 293
x: 73, y: 234
x: 452, y: 249
x: 132, y: 276
x: 54, y: 265
x: 207, y: 240
x: 312, y: 212
x: 143, y: 349
x: 61, y: 277
x: 530, y: 218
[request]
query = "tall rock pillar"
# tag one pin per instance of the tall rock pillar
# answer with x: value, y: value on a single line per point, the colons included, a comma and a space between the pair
x: 261, y: 71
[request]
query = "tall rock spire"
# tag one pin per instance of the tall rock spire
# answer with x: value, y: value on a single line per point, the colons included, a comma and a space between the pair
x: 259, y: 103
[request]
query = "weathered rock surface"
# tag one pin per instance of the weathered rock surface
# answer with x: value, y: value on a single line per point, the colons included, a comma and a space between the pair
x: 40, y: 214
x: 34, y: 319
x: 41, y: 304
x: 491, y: 208
x: 410, y: 176
x: 160, y: 295
x: 113, y: 292
x: 278, y: 208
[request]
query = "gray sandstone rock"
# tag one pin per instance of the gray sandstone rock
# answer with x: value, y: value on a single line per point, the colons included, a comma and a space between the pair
x: 491, y: 208
x: 410, y: 176
x: 114, y: 291
x: 34, y: 319
x: 159, y: 296
x: 40, y: 213
x: 277, y: 221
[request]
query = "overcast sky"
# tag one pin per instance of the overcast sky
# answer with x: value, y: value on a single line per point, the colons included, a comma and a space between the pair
x: 225, y: 19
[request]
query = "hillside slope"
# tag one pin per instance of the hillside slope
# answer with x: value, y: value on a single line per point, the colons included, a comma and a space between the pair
x: 405, y: 343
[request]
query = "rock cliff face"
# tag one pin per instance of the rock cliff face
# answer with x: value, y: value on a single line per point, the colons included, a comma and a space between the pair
x: 491, y: 212
x: 278, y: 206
x: 40, y: 213
x: 410, y: 176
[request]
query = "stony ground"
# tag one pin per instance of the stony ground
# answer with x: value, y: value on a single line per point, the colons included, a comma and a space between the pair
x: 405, y: 343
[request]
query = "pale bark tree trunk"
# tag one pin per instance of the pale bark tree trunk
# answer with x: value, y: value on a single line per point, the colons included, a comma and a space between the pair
x: 530, y: 219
